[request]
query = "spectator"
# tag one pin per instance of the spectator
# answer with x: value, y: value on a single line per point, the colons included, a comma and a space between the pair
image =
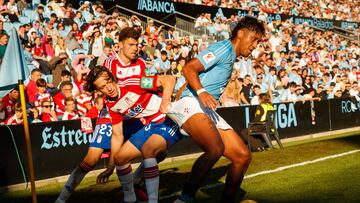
x: 354, y: 91
x: 10, y: 11
x: 2, y: 112
x: 10, y: 100
x: 17, y: 118
x: 104, y: 55
x: 31, y: 88
x: 59, y: 99
x: 34, y: 115
x: 83, y: 103
x: 162, y: 64
x: 294, y: 76
x: 173, y: 69
x: 70, y: 110
x: 170, y: 34
x: 246, y: 88
x: 3, y: 44
x: 193, y: 52
x: 41, y: 94
x: 288, y: 95
x: 66, y: 77
x: 181, y: 64
x: 47, y: 42
x: 346, y: 92
x: 255, y: 99
x: 47, y: 114
x: 310, y: 95
x: 96, y: 44
x: 232, y: 93
x: 39, y: 54
x: 95, y: 110
x: 57, y: 65
x: 60, y: 47
x: 22, y: 35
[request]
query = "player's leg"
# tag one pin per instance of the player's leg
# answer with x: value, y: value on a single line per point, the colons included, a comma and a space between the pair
x: 76, y: 176
x: 154, y: 145
x: 237, y: 152
x: 122, y: 159
x: 205, y: 134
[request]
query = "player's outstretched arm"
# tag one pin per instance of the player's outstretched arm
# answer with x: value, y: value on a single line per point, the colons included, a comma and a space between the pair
x: 191, y: 72
x: 117, y: 140
x: 167, y: 82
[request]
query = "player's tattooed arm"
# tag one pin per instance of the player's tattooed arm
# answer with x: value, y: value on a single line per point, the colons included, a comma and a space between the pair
x: 191, y: 72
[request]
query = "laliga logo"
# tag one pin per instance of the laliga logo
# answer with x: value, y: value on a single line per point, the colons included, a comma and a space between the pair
x: 156, y: 6
x: 285, y: 116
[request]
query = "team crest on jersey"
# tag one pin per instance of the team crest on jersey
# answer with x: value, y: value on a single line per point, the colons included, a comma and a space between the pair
x: 128, y: 71
x: 209, y: 57
x: 131, y: 113
x: 147, y: 83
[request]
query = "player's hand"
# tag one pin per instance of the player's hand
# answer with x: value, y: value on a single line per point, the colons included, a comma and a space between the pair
x: 165, y: 105
x: 103, y: 177
x: 208, y: 101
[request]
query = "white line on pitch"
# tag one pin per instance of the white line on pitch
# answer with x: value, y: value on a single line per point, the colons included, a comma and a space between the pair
x: 272, y: 171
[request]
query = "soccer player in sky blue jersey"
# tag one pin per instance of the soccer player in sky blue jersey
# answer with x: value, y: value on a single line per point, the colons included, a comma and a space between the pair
x: 207, y: 76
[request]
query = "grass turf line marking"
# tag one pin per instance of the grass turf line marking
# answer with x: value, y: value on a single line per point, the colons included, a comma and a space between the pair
x: 272, y: 171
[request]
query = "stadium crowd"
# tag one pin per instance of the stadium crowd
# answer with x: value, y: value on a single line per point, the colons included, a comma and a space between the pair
x: 62, y: 44
x: 334, y: 9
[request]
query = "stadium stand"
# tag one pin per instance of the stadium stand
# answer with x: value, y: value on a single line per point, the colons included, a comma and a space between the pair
x: 295, y: 63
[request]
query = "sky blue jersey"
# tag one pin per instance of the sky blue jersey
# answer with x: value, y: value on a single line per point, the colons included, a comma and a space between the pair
x: 218, y: 60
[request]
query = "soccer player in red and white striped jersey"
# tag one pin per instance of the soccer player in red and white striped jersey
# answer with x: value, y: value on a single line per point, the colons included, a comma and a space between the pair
x: 138, y: 102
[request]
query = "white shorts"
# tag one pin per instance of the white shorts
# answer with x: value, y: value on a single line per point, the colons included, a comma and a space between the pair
x: 186, y: 107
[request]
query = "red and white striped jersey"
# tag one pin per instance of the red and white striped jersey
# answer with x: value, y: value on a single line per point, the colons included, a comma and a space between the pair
x: 81, y: 102
x: 113, y: 53
x: 70, y: 116
x: 40, y: 97
x: 8, y: 105
x: 46, y: 117
x: 13, y: 120
x: 59, y: 100
x: 128, y: 75
x: 137, y: 102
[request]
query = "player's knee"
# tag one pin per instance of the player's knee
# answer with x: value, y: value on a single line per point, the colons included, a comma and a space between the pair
x: 120, y: 159
x: 161, y: 156
x: 243, y: 157
x: 216, y: 151
x: 148, y: 151
x: 91, y: 161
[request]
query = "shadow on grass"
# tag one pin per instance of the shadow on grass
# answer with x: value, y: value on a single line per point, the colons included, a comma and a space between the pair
x: 173, y: 179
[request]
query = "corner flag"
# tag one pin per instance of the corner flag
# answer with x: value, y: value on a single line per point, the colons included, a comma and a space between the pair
x: 14, y: 71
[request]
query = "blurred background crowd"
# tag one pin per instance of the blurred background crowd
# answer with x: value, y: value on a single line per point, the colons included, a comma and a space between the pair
x: 294, y: 63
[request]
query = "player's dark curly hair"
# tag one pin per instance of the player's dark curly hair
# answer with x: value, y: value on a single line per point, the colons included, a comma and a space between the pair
x: 94, y: 74
x: 249, y: 23
x: 129, y: 32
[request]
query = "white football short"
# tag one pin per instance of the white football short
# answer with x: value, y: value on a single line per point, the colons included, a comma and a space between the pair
x: 185, y: 107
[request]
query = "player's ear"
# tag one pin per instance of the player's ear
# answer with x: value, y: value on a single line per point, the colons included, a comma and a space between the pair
x: 240, y: 34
